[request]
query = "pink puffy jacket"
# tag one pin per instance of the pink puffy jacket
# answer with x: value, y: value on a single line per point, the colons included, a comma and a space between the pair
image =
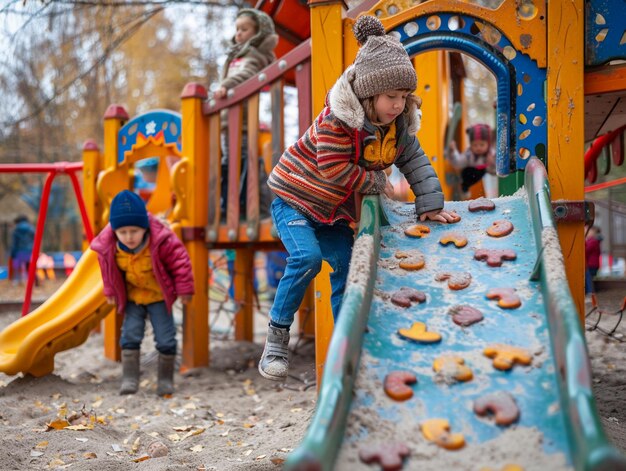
x: 170, y: 262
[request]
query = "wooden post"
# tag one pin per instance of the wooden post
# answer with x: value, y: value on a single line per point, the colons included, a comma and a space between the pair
x: 195, y: 148
x: 114, y: 118
x: 326, y: 68
x: 566, y: 122
x: 91, y: 169
x: 432, y: 88
x: 244, y: 289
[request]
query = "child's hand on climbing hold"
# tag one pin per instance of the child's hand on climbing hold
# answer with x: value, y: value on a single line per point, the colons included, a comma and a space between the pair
x: 438, y: 215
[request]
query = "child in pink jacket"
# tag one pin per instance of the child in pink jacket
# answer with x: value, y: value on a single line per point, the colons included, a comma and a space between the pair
x: 145, y: 267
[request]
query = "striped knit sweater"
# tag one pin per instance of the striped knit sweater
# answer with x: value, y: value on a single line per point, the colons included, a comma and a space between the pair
x: 321, y: 172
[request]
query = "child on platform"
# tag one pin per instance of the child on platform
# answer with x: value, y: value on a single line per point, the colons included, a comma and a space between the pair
x: 477, y: 161
x: 252, y: 49
x: 368, y: 124
x: 144, y: 267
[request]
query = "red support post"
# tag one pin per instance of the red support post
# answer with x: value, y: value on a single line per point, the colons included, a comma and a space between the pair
x: 81, y: 206
x: 41, y: 221
x: 53, y: 169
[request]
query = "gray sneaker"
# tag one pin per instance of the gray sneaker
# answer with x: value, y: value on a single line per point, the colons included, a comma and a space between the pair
x: 274, y: 362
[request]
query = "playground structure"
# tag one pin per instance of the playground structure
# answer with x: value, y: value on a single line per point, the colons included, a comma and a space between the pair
x: 538, y: 52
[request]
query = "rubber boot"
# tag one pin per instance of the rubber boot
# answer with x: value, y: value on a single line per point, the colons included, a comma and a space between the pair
x: 130, y: 371
x: 274, y: 362
x: 165, y: 383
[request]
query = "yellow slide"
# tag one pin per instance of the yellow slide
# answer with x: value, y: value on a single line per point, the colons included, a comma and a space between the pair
x: 64, y: 321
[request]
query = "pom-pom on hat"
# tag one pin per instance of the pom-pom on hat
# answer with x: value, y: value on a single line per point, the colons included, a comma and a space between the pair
x: 382, y: 63
x: 128, y: 209
x: 480, y: 132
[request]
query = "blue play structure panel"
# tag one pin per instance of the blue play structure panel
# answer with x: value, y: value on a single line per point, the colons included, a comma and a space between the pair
x: 605, y: 31
x: 164, y: 124
x: 521, y: 82
x: 534, y: 388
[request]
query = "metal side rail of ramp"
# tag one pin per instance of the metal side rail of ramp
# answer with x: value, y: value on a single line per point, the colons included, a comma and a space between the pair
x: 454, y: 389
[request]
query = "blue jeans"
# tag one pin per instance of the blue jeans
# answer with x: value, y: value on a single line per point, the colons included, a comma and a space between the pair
x: 133, y: 328
x: 308, y: 242
x: 590, y: 274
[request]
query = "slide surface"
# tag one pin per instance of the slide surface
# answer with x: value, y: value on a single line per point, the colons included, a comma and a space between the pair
x: 557, y: 428
x: 538, y: 437
x: 64, y: 321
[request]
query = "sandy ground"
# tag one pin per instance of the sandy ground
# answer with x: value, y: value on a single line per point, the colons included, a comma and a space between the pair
x: 226, y: 417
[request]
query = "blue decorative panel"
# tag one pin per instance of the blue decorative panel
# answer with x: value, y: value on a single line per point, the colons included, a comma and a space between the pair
x: 605, y: 31
x: 521, y: 104
x: 163, y: 126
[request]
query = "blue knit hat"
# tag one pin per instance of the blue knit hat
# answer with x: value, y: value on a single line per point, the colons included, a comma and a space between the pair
x: 128, y: 209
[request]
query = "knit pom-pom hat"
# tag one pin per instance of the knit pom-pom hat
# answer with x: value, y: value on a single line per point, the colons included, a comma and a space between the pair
x: 382, y: 63
x: 128, y: 209
x: 481, y: 132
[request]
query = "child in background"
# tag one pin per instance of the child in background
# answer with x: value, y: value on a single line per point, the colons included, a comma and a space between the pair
x: 368, y: 124
x: 145, y: 267
x: 477, y: 161
x: 593, y: 253
x: 22, y: 240
x: 251, y: 50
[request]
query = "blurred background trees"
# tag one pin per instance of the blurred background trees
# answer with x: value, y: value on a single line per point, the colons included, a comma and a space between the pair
x: 62, y: 63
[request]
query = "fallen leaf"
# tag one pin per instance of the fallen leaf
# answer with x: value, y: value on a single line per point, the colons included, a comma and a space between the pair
x: 81, y: 439
x: 135, y: 446
x: 296, y: 409
x: 174, y: 437
x: 141, y: 458
x: 197, y: 448
x: 192, y: 433
x: 247, y: 452
x: 79, y: 427
x: 58, y: 424
x: 43, y: 444
x: 225, y: 433
x: 90, y: 455
x: 277, y: 461
x: 260, y: 457
x: 96, y: 404
x: 183, y: 428
x: 36, y: 454
x: 248, y: 425
x: 56, y: 396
